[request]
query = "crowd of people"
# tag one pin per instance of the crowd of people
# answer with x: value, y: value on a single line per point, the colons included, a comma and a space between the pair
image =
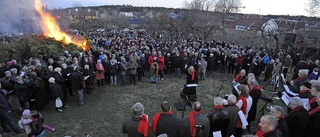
x: 125, y: 57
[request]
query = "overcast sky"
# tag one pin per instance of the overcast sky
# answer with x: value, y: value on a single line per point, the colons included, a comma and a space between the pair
x: 278, y: 7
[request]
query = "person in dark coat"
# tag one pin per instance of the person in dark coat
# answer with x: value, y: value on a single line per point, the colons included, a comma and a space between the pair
x: 178, y: 64
x: 313, y: 126
x: 295, y: 84
x: 268, y: 127
x: 20, y: 89
x: 5, y: 118
x: 137, y: 125
x: 196, y: 124
x: 233, y: 110
x: 7, y: 81
x: 87, y: 72
x: 211, y: 59
x: 301, y: 65
x: 56, y: 91
x: 77, y: 85
x: 269, y: 70
x: 60, y: 80
x: 38, y: 92
x: 255, y: 93
x: 165, y: 122
x: 278, y: 111
x: 219, y: 118
x: 66, y: 73
x: 297, y: 119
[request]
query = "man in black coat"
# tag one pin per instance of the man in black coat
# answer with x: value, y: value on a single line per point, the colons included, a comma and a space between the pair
x: 195, y: 124
x: 233, y: 110
x: 278, y: 111
x: 297, y: 119
x: 77, y: 85
x: 137, y: 125
x: 267, y: 127
x: 219, y: 118
x: 165, y: 122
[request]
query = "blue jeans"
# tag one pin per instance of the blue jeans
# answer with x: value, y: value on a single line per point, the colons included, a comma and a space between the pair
x: 41, y: 134
x: 178, y: 71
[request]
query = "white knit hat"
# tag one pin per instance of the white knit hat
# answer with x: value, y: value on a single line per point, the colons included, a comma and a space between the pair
x: 51, y: 80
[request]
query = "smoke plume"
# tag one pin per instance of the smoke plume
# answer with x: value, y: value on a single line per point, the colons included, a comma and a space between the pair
x: 18, y: 16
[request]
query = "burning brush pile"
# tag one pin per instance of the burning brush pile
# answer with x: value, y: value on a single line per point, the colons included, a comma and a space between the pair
x: 51, y: 29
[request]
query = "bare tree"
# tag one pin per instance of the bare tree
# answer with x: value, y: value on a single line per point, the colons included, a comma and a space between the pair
x: 313, y: 7
x: 205, y: 5
x: 226, y: 7
x: 76, y: 4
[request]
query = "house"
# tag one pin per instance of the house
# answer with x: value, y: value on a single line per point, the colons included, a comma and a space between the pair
x: 254, y: 24
x: 126, y: 14
x: 290, y: 25
x: 78, y: 15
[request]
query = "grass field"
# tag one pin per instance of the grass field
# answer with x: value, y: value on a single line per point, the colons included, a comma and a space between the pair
x: 107, y: 107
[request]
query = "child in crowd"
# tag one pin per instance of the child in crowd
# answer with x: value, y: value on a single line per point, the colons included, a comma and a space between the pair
x: 32, y: 123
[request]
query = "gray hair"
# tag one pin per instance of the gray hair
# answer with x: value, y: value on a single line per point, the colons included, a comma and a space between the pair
x: 137, y: 109
x: 232, y: 98
x: 163, y: 135
x: 296, y: 101
x: 279, y: 109
x: 271, y: 120
x: 14, y: 71
x: 303, y: 71
x: 253, y: 81
x: 251, y: 75
x: 218, y: 101
x: 316, y: 87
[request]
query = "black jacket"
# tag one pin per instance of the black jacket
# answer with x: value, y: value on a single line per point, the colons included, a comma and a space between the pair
x: 297, y: 121
x: 76, y: 81
x: 4, y: 105
x: 219, y: 121
x: 282, y: 126
x: 313, y: 127
x: 168, y: 124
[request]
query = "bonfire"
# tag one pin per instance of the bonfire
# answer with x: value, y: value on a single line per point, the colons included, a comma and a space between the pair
x: 51, y: 29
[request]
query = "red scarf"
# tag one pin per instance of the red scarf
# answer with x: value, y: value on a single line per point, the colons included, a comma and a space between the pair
x: 193, y: 75
x: 255, y: 88
x: 304, y: 91
x: 280, y: 117
x: 313, y: 99
x: 315, y: 110
x: 243, y: 109
x: 299, y: 78
x: 238, y: 77
x: 217, y: 107
x: 259, y: 133
x: 295, y: 110
x: 156, y: 118
x: 143, y: 126
x: 192, y: 123
x: 244, y: 104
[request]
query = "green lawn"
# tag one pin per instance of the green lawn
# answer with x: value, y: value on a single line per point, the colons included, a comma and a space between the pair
x: 108, y: 106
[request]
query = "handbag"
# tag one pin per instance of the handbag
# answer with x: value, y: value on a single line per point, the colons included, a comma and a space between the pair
x: 58, y: 103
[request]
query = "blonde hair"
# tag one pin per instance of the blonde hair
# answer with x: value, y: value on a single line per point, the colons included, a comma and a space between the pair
x: 190, y: 69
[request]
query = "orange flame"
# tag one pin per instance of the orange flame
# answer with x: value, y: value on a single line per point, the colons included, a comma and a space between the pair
x: 51, y: 29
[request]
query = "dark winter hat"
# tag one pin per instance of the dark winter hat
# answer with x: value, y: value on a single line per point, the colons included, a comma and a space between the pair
x: 306, y: 84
